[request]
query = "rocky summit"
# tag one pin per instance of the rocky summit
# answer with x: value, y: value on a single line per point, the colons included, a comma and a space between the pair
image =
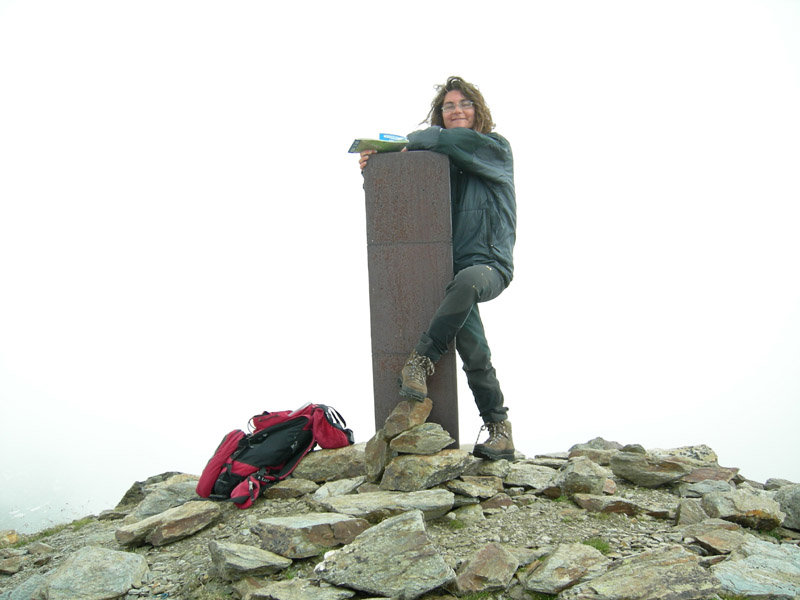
x: 404, y: 516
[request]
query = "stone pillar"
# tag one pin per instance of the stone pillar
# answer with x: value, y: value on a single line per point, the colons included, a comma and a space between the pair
x: 410, y: 257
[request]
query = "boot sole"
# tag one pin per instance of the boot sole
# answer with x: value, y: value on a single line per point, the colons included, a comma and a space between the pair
x: 409, y: 393
x: 488, y: 455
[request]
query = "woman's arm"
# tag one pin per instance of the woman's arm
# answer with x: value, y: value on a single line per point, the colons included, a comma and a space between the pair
x: 486, y: 155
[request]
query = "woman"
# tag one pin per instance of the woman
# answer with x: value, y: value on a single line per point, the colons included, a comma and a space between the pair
x: 484, y: 231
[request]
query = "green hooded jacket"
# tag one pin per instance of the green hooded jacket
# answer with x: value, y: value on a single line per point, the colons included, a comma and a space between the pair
x: 483, y: 201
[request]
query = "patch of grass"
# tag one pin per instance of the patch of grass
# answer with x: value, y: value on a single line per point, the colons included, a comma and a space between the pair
x: 290, y: 572
x: 540, y: 596
x: 600, y: 516
x: 724, y: 596
x: 773, y: 533
x: 456, y: 524
x: 81, y: 523
x: 598, y: 544
x: 211, y: 591
x: 477, y: 596
x: 561, y: 499
x: 301, y: 568
x: 40, y: 535
x: 51, y: 531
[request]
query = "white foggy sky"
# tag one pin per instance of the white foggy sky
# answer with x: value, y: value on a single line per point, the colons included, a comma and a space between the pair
x: 182, y: 237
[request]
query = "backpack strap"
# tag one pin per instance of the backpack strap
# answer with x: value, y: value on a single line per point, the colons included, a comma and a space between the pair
x: 244, y: 494
x: 216, y: 464
x: 330, y: 428
x: 334, y: 416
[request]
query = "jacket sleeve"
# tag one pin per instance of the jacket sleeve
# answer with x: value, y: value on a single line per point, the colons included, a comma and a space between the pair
x: 488, y: 156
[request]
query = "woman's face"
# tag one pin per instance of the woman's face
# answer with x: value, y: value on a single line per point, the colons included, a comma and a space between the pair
x: 456, y: 115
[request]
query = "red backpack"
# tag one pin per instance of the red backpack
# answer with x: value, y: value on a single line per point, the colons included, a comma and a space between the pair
x: 246, y: 463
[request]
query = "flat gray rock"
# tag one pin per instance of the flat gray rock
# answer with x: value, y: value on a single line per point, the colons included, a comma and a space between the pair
x: 788, y: 497
x: 331, y: 464
x: 233, y: 561
x: 171, y: 525
x: 302, y: 536
x: 393, y: 559
x: 375, y: 506
x: 667, y: 573
x: 761, y: 569
x: 414, y: 472
x: 427, y: 438
x: 299, y: 589
x: 743, y: 507
x: 567, y: 565
x: 94, y: 573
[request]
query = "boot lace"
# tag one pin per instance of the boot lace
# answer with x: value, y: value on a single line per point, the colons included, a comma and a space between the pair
x: 419, y: 366
x: 497, y: 432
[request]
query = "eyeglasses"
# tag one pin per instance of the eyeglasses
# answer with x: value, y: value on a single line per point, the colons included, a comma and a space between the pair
x: 462, y: 104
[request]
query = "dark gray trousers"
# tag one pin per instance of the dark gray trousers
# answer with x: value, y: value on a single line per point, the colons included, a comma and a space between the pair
x: 458, y: 318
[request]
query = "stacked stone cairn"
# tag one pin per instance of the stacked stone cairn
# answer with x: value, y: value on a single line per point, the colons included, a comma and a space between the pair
x: 371, y: 520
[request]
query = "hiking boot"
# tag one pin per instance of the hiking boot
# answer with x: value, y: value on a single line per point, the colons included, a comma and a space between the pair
x: 500, y: 443
x: 413, y: 376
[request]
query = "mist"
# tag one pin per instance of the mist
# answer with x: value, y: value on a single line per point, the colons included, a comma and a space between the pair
x: 182, y: 231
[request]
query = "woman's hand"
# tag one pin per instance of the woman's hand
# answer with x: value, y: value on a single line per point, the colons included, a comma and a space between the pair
x: 362, y: 162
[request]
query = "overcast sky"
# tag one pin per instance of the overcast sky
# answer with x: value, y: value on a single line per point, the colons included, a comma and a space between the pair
x: 182, y: 233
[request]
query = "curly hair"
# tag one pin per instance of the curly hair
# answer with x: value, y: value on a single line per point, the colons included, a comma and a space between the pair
x: 483, y: 116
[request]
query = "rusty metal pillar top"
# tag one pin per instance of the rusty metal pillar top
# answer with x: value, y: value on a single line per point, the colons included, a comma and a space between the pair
x: 409, y: 247
x: 406, y: 194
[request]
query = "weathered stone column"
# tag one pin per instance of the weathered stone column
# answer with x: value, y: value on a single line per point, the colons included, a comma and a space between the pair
x: 409, y: 247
